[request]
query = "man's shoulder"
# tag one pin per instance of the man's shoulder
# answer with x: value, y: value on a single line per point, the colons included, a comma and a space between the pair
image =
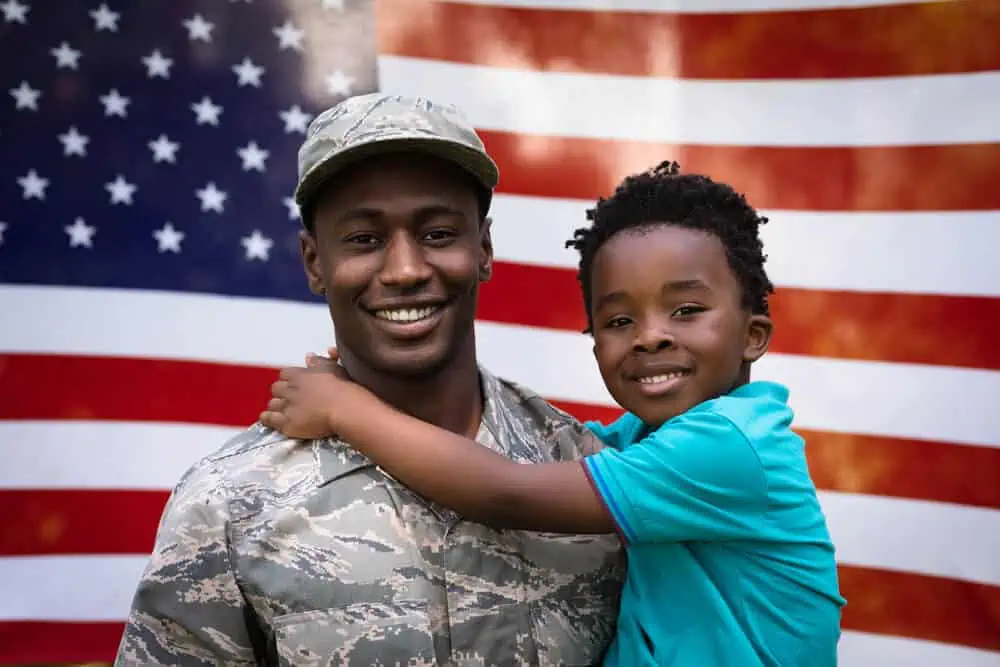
x: 254, y: 462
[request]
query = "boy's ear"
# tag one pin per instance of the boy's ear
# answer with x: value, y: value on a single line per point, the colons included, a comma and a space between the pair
x: 759, y: 328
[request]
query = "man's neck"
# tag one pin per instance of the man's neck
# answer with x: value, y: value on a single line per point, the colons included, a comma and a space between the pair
x: 451, y: 398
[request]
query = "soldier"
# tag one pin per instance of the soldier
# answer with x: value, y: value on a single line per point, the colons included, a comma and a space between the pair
x: 275, y: 551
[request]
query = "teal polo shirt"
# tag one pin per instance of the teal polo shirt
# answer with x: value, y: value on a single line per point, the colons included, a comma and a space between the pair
x: 729, y: 558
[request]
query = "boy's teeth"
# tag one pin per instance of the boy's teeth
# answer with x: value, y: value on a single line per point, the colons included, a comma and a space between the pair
x: 653, y: 379
x: 405, y: 314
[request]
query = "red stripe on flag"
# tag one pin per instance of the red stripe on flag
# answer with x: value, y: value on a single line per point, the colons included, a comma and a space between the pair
x: 37, y: 642
x: 79, y: 521
x: 943, y: 472
x: 922, y: 607
x: 99, y: 388
x: 952, y: 177
x: 906, y: 328
x: 129, y: 389
x: 900, y: 40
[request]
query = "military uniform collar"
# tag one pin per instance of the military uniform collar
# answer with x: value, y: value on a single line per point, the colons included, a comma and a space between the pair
x: 335, y: 458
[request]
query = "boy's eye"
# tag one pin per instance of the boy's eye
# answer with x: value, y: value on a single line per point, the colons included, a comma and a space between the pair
x: 617, y: 322
x: 687, y: 311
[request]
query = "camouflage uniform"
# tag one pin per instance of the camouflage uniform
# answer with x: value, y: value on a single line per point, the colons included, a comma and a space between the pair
x: 289, y: 552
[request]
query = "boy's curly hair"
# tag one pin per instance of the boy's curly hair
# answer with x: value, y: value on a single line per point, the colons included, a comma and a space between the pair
x: 663, y: 195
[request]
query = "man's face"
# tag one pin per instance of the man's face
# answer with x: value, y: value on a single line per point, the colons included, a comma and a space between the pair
x: 399, y: 251
x: 669, y: 327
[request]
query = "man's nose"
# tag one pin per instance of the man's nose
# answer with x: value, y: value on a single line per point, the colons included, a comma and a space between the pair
x: 405, y: 264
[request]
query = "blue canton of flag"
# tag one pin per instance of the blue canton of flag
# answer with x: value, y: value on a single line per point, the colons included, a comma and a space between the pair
x: 154, y: 146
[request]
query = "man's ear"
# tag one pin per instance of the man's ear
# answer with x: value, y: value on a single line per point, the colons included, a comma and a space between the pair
x: 485, y: 249
x: 311, y: 263
x: 758, y: 337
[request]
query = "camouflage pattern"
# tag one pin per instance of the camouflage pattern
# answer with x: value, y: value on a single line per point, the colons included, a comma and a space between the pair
x: 376, y: 123
x: 275, y: 551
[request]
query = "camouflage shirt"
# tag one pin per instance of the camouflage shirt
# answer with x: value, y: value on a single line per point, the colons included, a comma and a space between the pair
x: 288, y: 552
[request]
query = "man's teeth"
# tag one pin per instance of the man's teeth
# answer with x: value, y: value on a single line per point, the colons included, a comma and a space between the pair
x: 655, y: 379
x: 406, y: 314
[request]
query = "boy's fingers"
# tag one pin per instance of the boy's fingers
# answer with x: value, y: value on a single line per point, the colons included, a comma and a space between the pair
x: 276, y: 404
x: 272, y: 419
x: 280, y: 388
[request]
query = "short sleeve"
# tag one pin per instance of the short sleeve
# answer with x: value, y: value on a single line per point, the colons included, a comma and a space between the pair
x: 696, y: 478
x: 618, y: 433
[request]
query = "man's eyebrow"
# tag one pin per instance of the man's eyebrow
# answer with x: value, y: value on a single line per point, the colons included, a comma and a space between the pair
x: 420, y: 215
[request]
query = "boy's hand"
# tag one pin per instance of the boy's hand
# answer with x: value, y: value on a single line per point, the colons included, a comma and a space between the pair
x: 307, y: 402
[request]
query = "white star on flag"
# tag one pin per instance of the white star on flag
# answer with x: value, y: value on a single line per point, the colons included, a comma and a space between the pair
x: 105, y: 19
x: 157, y: 65
x: 293, y: 208
x: 33, y: 185
x: 168, y: 239
x: 74, y: 143
x: 80, y: 233
x: 199, y: 28
x: 115, y: 104
x: 66, y: 56
x: 3, y: 228
x: 295, y: 119
x: 121, y: 191
x: 247, y: 73
x: 207, y: 112
x: 212, y: 198
x: 163, y: 149
x: 289, y: 37
x: 25, y: 97
x: 339, y: 83
x: 14, y: 12
x: 257, y: 246
x: 253, y: 156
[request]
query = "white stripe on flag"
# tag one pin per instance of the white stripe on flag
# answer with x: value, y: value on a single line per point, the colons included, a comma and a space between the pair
x: 883, y: 111
x: 939, y: 252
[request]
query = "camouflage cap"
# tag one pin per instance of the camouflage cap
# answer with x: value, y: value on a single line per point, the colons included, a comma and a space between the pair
x: 377, y: 123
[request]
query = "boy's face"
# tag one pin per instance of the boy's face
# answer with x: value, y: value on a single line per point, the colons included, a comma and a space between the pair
x: 669, y: 328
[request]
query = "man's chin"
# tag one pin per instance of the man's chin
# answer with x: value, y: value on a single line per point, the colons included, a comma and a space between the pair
x: 417, y: 361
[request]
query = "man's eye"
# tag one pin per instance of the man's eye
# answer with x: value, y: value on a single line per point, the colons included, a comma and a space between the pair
x: 362, y: 239
x: 438, y: 235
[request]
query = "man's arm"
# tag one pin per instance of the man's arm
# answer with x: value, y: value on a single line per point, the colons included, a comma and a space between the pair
x: 458, y: 473
x: 188, y: 609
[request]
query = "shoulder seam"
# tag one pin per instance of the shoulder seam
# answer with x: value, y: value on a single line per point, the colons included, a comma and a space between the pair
x: 760, y: 464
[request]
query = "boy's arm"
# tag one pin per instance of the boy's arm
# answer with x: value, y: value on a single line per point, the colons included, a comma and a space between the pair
x: 460, y: 474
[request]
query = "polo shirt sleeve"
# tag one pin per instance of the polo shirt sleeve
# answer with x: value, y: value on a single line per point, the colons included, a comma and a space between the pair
x: 697, y: 478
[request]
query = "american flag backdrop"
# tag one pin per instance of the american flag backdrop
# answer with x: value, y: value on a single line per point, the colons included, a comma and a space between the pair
x: 150, y: 280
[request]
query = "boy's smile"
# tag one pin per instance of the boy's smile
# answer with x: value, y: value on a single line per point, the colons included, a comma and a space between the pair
x: 670, y: 329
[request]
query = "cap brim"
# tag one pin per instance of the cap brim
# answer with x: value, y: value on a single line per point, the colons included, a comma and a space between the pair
x: 468, y: 158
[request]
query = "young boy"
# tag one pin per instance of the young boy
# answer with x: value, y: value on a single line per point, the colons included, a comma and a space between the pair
x: 730, y: 560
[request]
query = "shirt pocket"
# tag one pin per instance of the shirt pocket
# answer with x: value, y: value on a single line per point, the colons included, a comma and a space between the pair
x: 364, y: 633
